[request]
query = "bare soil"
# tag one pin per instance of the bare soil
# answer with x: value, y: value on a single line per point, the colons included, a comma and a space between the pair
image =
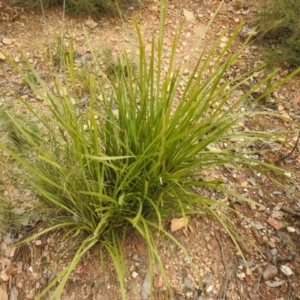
x: 25, y: 271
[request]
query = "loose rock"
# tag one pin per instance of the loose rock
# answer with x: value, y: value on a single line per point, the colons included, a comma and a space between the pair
x: 146, y: 288
x: 7, y: 41
x: 189, y: 16
x: 13, y: 294
x: 177, y: 224
x: 274, y: 223
x: 91, y: 23
x: 158, y: 281
x: 286, y: 270
x: 290, y: 229
x: 187, y: 285
x: 270, y: 272
x: 273, y: 284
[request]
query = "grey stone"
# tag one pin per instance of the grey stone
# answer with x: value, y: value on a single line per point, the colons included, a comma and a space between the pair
x: 146, y: 287
x: 187, y: 285
x: 189, y: 16
x: 270, y: 272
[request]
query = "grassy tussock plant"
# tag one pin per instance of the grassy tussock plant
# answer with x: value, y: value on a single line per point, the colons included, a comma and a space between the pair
x: 36, y: 5
x: 279, y: 24
x: 58, y: 51
x: 113, y: 64
x: 83, y: 77
x: 93, y: 8
x: 10, y: 135
x: 132, y: 158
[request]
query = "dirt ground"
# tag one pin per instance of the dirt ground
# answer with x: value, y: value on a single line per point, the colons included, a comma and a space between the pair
x: 269, y: 234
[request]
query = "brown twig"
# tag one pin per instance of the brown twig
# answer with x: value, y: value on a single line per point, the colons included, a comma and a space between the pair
x: 290, y: 211
x: 291, y: 152
x: 257, y: 284
x: 256, y: 235
x: 243, y: 245
x: 237, y: 281
x: 223, y: 289
x: 288, y: 296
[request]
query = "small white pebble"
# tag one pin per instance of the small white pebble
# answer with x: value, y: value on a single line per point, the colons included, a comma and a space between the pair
x: 286, y: 270
x: 290, y: 229
x: 134, y: 274
x: 209, y: 289
x: 241, y: 275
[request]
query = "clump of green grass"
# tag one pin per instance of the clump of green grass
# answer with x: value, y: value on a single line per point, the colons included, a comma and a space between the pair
x: 130, y: 160
x: 93, y: 8
x: 10, y: 135
x: 36, y: 5
x: 58, y: 51
x: 83, y: 79
x: 114, y: 64
x: 279, y: 25
x: 111, y: 63
x: 31, y: 78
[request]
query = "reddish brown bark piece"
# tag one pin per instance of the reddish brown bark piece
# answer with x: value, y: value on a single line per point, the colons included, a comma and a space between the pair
x: 297, y: 100
x: 274, y: 223
x: 158, y: 281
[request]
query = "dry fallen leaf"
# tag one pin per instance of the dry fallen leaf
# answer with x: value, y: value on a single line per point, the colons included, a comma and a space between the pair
x: 158, y: 281
x: 272, y: 244
x: 10, y: 252
x: 177, y: 224
x: 2, y: 57
x: 30, y: 295
x: 20, y: 284
x: 4, y: 277
x: 285, y: 114
x: 262, y: 208
x: 5, y: 262
x: 252, y: 206
x: 3, y: 293
x: 13, y: 294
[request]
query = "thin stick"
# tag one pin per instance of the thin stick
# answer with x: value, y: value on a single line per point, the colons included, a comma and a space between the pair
x: 291, y: 152
x: 257, y: 284
x: 288, y: 296
x: 223, y: 289
x: 238, y: 283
